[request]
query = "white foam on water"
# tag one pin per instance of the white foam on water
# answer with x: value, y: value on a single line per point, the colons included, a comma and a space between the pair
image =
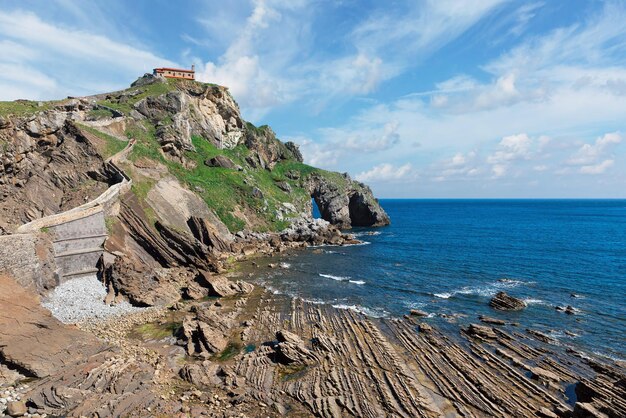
x: 531, y: 301
x: 284, y: 265
x: 487, y: 290
x: 367, y: 233
x: 374, y: 313
x: 338, y: 278
x: 359, y: 282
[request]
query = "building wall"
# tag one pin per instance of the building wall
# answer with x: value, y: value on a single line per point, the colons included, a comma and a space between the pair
x: 177, y: 74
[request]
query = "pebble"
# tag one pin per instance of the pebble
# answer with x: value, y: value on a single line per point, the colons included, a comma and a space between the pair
x: 77, y: 300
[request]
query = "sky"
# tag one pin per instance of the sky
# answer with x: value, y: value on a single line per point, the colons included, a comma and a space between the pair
x: 417, y: 98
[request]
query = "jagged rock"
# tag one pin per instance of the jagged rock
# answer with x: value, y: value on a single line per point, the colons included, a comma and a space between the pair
x: 284, y: 186
x: 587, y: 410
x: 295, y: 151
x: 220, y: 286
x: 285, y: 336
x: 220, y: 161
x: 144, y: 286
x: 291, y: 350
x: 503, y: 302
x: 346, y: 203
x: 314, y: 231
x: 292, y: 174
x: 201, y: 338
x: 481, y: 331
x: 200, y: 374
x: 213, y: 234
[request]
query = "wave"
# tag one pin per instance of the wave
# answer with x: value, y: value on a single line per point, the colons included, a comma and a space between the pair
x: 366, y: 233
x: 373, y: 312
x: 531, y: 301
x: 487, y: 290
x: 338, y: 278
x: 285, y: 265
x: 343, y: 279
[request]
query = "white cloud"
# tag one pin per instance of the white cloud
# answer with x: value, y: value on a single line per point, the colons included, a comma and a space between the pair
x: 599, y: 168
x: 588, y: 154
x: 511, y: 148
x: 387, y: 172
x: 48, y: 60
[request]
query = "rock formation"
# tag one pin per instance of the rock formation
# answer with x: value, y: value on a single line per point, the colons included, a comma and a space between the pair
x: 503, y: 302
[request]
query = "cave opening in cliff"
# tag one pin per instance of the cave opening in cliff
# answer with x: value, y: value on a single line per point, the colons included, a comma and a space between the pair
x: 317, y: 214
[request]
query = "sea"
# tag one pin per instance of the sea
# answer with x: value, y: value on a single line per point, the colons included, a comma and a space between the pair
x: 449, y: 257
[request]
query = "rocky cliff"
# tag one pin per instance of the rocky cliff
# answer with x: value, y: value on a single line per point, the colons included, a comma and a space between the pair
x: 53, y: 155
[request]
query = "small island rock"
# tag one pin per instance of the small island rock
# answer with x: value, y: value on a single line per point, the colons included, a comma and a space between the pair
x: 503, y: 302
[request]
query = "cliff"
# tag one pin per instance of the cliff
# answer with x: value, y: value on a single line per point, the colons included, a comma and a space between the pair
x: 53, y: 155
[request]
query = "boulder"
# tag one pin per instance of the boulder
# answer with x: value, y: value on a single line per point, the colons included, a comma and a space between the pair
x: 221, y: 161
x: 291, y: 350
x: 220, y: 286
x: 16, y: 409
x: 503, y: 302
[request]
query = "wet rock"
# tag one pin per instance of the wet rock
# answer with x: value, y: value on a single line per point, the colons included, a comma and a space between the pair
x: 417, y: 312
x: 503, y: 302
x: 481, y: 331
x: 423, y: 327
x: 490, y: 320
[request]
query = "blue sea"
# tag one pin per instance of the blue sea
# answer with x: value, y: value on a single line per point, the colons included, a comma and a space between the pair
x: 449, y: 257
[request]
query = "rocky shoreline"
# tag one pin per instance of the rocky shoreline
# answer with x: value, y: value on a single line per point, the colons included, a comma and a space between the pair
x: 252, y: 353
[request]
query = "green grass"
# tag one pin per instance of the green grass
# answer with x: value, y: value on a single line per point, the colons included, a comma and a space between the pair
x: 109, y: 222
x: 231, y: 350
x: 99, y: 114
x: 112, y: 145
x: 24, y: 107
x: 141, y: 187
x: 154, y: 331
x: 126, y: 103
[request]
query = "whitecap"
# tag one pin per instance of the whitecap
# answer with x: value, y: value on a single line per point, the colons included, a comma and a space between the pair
x: 362, y: 309
x: 285, y: 265
x: 531, y: 301
x: 357, y: 281
x: 443, y: 295
x: 338, y: 278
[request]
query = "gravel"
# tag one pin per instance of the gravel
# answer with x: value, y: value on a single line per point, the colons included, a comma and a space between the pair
x: 82, y: 299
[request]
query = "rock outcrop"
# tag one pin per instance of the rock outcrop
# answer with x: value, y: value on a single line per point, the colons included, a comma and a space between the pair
x: 345, y: 203
x: 503, y: 302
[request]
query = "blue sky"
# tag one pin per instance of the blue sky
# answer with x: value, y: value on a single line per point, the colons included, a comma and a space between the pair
x: 441, y: 98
